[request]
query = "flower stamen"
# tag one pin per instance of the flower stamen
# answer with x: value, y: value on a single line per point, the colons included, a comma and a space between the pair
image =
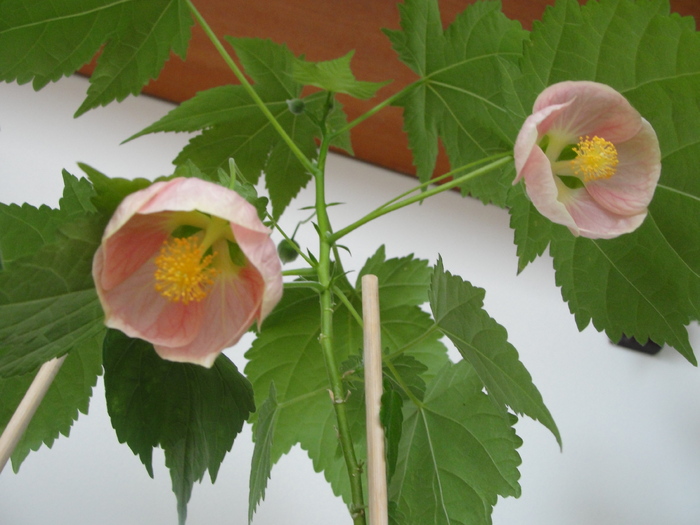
x: 596, y: 159
x: 183, y: 272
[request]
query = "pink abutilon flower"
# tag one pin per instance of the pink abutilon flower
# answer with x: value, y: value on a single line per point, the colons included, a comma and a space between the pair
x: 188, y: 266
x: 588, y: 159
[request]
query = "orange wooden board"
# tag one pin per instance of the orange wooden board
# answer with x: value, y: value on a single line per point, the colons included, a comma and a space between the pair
x: 324, y: 30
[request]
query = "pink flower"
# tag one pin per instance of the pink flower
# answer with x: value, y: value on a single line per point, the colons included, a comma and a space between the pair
x: 188, y: 266
x: 589, y: 160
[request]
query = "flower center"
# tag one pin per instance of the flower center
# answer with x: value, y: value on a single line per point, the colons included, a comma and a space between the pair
x: 596, y: 159
x: 183, y: 272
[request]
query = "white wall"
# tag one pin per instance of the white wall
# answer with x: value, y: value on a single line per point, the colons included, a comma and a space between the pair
x: 630, y: 422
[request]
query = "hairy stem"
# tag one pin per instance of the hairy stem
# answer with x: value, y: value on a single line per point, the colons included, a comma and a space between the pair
x: 337, y: 390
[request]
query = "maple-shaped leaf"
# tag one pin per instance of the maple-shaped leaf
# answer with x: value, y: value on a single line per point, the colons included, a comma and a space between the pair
x: 645, y: 284
x: 288, y: 353
x: 458, y: 453
x: 233, y: 127
x: 459, y: 98
x: 458, y: 310
x: 44, y: 41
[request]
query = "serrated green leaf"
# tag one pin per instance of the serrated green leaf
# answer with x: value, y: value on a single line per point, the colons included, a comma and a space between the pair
x: 464, y: 448
x: 458, y: 311
x: 24, y: 229
x: 68, y: 395
x: 43, y: 41
x: 193, y: 413
x: 460, y: 99
x: 261, y: 464
x: 109, y: 192
x: 652, y: 58
x: 48, y: 305
x: 233, y: 127
x: 335, y: 76
x: 628, y: 285
x: 288, y: 353
x: 404, y: 280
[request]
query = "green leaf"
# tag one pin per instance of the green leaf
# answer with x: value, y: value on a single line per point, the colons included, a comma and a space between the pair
x: 460, y: 99
x: 233, y: 127
x: 68, y: 395
x: 644, y: 284
x: 629, y: 285
x: 109, y: 192
x: 261, y: 464
x: 458, y: 310
x: 392, y: 420
x: 404, y: 280
x: 24, y: 229
x: 464, y: 449
x: 288, y: 353
x: 48, y: 305
x: 43, y: 41
x: 193, y: 413
x: 334, y: 76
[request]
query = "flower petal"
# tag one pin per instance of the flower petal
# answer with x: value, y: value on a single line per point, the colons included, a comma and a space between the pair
x: 598, y: 110
x: 229, y: 310
x: 596, y: 222
x: 631, y: 189
x: 543, y: 189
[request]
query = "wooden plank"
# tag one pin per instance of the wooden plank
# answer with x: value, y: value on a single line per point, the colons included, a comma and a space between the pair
x: 324, y: 30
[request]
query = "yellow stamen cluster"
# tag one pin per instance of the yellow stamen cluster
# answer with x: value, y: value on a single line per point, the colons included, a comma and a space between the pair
x: 596, y: 159
x: 183, y: 272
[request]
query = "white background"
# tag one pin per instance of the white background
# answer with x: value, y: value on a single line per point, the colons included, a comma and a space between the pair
x: 630, y: 422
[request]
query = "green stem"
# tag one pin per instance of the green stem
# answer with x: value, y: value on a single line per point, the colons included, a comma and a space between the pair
x: 308, y: 165
x: 338, y: 394
x: 384, y: 209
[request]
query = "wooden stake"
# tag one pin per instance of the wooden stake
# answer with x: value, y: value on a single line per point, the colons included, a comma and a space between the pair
x: 376, y: 461
x: 27, y: 407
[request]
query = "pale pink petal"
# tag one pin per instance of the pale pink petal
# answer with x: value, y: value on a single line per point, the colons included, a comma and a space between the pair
x: 595, y: 222
x: 631, y: 189
x: 128, y: 248
x: 530, y: 133
x: 136, y: 308
x: 262, y: 255
x: 598, y: 110
x: 195, y: 194
x: 543, y: 189
x: 230, y: 309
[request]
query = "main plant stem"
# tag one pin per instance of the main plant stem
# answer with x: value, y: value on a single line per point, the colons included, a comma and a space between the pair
x: 337, y: 390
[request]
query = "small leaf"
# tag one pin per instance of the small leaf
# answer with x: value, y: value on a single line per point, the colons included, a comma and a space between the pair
x: 334, y: 76
x: 193, y: 413
x: 261, y: 464
x: 458, y: 310
x: 109, y: 192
